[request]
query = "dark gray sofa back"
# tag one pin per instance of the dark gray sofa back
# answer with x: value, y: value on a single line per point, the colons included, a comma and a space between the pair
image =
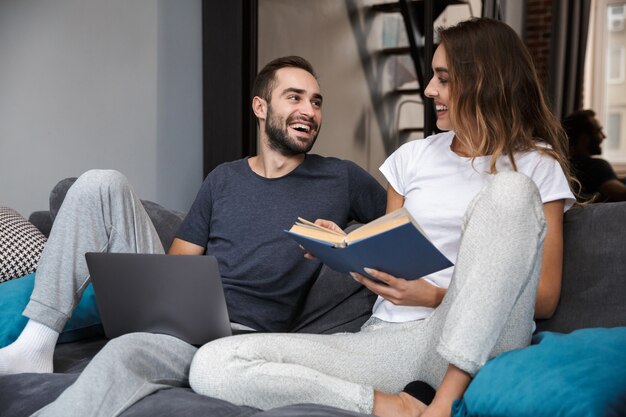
x: 594, y: 269
x: 594, y: 266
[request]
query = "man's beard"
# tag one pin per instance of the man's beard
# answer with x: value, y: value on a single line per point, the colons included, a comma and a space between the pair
x: 596, y: 149
x: 276, y: 129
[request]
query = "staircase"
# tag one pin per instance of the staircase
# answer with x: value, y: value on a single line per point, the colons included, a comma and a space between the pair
x: 418, y: 17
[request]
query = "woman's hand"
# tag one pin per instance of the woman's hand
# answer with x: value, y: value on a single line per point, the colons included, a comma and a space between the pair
x: 400, y: 291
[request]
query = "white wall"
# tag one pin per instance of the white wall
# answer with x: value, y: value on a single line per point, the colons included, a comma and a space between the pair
x: 100, y: 84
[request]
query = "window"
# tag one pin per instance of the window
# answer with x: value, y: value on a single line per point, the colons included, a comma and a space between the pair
x: 616, y: 18
x: 613, y: 129
x: 605, y: 75
x: 615, y: 65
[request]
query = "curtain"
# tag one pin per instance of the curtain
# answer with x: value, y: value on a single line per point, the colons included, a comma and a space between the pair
x: 570, y: 25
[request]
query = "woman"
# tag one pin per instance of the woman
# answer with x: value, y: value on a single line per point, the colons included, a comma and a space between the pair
x: 489, y: 101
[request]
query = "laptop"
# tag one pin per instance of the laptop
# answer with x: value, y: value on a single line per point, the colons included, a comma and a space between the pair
x: 177, y: 295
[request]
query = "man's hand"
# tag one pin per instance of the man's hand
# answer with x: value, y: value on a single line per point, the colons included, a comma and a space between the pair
x: 330, y: 225
x: 402, y: 292
x: 326, y: 224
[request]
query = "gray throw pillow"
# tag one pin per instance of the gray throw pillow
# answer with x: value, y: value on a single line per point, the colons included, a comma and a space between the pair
x: 21, y: 244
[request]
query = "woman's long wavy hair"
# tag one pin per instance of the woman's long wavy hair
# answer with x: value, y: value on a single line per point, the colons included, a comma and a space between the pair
x: 496, y: 99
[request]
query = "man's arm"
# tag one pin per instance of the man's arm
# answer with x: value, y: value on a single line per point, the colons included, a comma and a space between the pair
x: 613, y: 190
x: 606, y: 181
x: 367, y: 196
x: 182, y: 247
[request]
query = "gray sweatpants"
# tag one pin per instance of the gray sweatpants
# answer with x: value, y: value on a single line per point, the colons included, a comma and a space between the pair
x: 100, y: 213
x: 488, y: 309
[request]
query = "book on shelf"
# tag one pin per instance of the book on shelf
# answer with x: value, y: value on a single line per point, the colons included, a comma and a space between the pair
x: 393, y: 243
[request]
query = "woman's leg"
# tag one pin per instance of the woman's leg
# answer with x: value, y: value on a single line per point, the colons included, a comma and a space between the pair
x: 340, y: 370
x: 127, y: 369
x: 489, y: 306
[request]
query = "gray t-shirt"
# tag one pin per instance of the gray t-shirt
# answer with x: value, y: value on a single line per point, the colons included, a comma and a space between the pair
x: 240, y: 216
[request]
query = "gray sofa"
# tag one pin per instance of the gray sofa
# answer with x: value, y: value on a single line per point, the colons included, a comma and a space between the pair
x: 593, y: 295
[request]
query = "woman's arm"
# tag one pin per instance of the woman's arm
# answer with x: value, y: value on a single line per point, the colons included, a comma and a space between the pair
x: 398, y: 290
x: 394, y: 199
x: 453, y: 386
x: 420, y: 293
x: 549, y: 290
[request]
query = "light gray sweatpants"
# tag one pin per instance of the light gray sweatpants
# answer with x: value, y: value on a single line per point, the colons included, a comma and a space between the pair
x: 488, y: 309
x: 100, y: 213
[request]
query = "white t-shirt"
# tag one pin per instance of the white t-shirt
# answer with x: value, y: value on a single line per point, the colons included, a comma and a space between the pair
x: 438, y: 185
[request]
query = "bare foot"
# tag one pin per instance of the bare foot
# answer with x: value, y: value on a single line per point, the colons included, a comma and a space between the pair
x: 397, y: 405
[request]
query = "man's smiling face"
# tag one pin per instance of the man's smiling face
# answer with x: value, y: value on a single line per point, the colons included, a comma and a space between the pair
x: 294, y: 113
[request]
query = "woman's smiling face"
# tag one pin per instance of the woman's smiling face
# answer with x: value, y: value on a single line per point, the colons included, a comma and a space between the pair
x: 438, y: 88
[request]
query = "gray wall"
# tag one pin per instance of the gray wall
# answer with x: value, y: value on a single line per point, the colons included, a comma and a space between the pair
x: 100, y: 84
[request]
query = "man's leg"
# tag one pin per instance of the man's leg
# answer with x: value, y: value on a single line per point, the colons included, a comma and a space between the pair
x: 126, y: 370
x: 346, y: 310
x: 100, y: 213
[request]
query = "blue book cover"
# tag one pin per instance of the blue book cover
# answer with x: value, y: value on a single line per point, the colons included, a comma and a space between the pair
x: 401, y: 250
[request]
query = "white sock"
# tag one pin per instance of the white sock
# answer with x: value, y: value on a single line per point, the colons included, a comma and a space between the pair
x: 31, y: 352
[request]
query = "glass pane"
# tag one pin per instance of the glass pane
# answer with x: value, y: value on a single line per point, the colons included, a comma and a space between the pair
x: 615, y: 84
x: 613, y: 130
x: 615, y: 65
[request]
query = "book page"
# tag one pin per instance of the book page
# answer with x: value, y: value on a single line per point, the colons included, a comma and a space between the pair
x: 387, y: 222
x: 311, y: 224
x: 318, y: 233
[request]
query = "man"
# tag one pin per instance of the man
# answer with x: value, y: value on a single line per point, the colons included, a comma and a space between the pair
x: 239, y: 216
x: 595, y: 174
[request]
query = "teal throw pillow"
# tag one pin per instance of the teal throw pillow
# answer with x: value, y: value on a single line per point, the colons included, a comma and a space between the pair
x: 582, y: 373
x: 14, y: 295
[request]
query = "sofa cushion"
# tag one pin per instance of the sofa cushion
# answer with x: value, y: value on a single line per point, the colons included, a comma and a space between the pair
x: 57, y: 195
x: 21, y: 244
x: 577, y: 374
x: 166, y: 222
x: 14, y: 295
x: 42, y: 221
x: 594, y: 269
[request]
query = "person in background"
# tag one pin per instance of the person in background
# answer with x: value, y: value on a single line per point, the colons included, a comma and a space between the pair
x: 597, y: 178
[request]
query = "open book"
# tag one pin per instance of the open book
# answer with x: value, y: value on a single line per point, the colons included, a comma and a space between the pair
x: 393, y: 243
